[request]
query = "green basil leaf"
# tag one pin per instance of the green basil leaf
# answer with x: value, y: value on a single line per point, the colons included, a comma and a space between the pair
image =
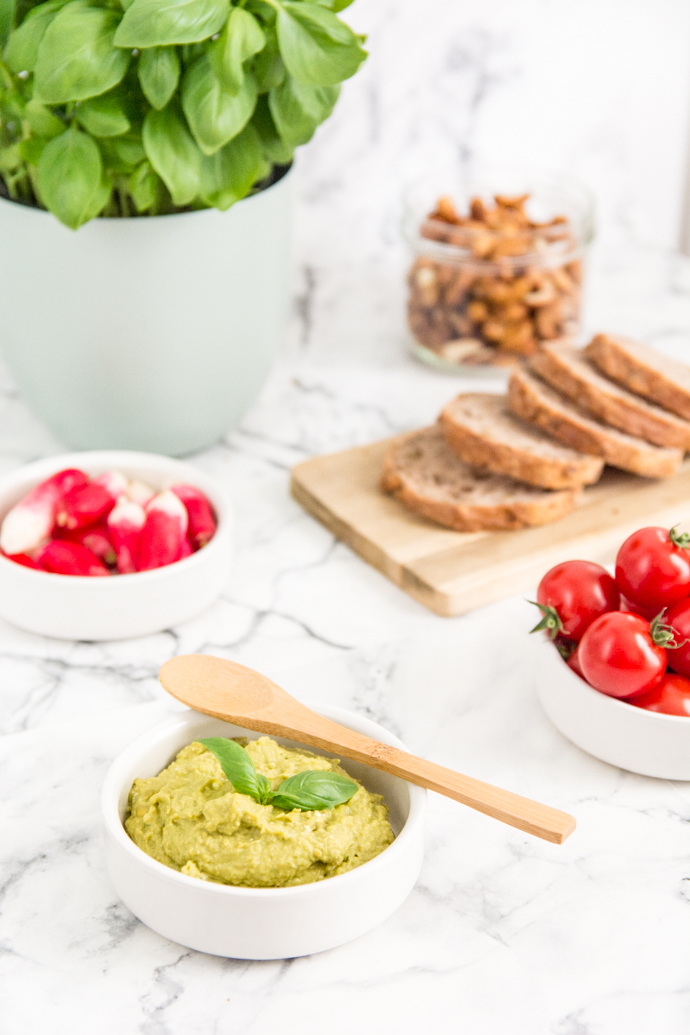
x: 22, y: 49
x: 122, y: 154
x: 268, y: 66
x: 159, y: 23
x: 241, y: 38
x: 275, y: 149
x: 228, y: 175
x: 214, y: 115
x: 332, y: 5
x: 316, y: 46
x: 313, y: 789
x: 144, y: 186
x: 159, y: 74
x: 7, y: 12
x: 172, y: 152
x: 238, y: 767
x: 129, y: 149
x: 70, y: 178
x: 42, y: 122
x: 76, y: 57
x: 32, y: 148
x: 10, y: 158
x: 298, y: 108
x: 103, y: 116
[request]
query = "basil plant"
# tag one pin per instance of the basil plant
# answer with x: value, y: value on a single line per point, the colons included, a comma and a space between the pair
x: 146, y: 107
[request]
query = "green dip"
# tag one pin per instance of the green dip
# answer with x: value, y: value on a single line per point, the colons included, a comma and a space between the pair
x: 190, y: 818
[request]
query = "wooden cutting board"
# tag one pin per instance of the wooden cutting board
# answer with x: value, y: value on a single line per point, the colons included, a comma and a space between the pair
x: 454, y: 572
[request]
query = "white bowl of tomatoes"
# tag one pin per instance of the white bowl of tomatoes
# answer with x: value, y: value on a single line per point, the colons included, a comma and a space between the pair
x: 613, y: 671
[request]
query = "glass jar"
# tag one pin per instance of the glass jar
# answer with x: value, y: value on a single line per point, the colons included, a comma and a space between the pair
x: 497, y: 268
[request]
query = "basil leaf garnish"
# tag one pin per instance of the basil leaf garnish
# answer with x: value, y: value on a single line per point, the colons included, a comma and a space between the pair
x: 313, y: 789
x: 307, y: 791
x: 239, y: 768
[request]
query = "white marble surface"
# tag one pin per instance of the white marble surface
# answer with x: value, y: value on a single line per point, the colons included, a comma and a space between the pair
x: 504, y: 933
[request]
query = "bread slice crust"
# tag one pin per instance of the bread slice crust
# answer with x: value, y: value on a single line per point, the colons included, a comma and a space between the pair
x: 642, y: 370
x: 481, y: 429
x: 424, y: 473
x: 568, y: 370
x: 541, y: 405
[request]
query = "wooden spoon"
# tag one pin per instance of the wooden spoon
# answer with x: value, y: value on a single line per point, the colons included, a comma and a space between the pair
x: 246, y: 698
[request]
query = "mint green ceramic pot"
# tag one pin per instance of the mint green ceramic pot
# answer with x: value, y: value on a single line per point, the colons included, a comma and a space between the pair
x: 153, y: 333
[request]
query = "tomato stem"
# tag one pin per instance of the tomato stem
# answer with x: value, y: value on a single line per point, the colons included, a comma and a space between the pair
x: 663, y: 635
x: 566, y: 648
x: 550, y: 620
x: 680, y: 539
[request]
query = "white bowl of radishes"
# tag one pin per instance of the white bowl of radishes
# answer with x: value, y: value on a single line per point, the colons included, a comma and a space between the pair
x: 158, y: 530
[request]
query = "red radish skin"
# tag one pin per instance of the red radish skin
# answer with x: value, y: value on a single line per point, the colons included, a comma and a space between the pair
x: 164, y: 533
x: 125, y: 523
x: 186, y: 550
x: 202, y: 523
x: 24, y: 560
x: 32, y: 519
x: 64, y: 558
x: 85, y: 506
x: 95, y: 538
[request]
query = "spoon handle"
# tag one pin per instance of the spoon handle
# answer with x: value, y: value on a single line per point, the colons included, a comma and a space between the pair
x: 523, y: 813
x: 239, y: 695
x: 316, y: 731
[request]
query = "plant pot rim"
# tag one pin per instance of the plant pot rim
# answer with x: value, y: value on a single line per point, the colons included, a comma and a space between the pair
x: 282, y: 172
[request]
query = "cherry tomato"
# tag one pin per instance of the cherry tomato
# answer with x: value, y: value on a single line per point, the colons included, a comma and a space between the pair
x: 573, y: 662
x: 572, y: 595
x: 671, y: 696
x: 653, y: 568
x: 622, y: 655
x: 678, y: 618
x: 637, y: 609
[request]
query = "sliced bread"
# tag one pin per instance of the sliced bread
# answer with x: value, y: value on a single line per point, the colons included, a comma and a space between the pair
x: 427, y: 476
x: 482, y: 431
x: 643, y: 370
x: 536, y: 402
x: 569, y: 371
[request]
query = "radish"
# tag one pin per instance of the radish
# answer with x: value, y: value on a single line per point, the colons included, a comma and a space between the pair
x: 32, y: 519
x: 63, y: 558
x: 125, y: 523
x: 202, y: 523
x: 84, y: 506
x: 164, y: 533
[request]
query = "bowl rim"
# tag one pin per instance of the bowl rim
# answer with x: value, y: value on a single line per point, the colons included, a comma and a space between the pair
x: 43, y: 467
x: 412, y: 827
x: 619, y: 705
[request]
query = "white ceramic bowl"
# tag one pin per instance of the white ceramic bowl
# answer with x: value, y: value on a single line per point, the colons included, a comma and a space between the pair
x: 260, y: 923
x: 124, y: 606
x: 644, y: 742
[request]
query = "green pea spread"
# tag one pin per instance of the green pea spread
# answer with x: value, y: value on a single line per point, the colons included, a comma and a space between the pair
x: 190, y: 818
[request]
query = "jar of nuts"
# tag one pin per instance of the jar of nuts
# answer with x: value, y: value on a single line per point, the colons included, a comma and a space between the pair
x: 495, y: 275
